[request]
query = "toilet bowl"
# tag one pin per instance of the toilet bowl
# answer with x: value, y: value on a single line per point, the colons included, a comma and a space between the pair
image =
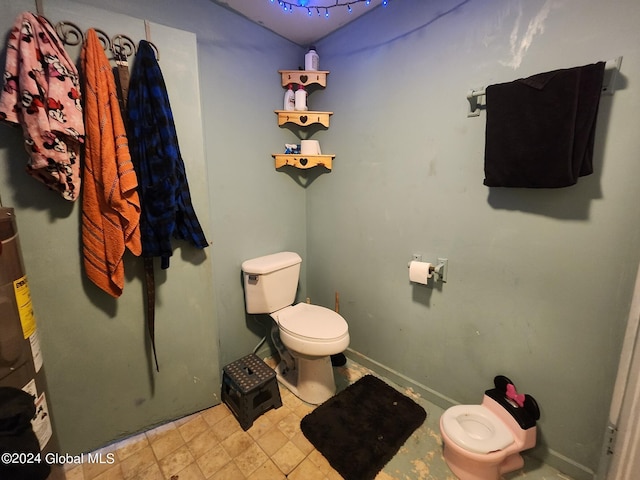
x: 311, y: 334
x: 305, y: 335
x: 312, y: 330
x: 481, y: 442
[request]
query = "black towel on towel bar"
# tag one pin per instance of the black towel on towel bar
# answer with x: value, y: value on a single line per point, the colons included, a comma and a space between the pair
x: 540, y: 130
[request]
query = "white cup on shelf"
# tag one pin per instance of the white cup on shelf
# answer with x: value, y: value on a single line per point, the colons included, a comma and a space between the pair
x: 310, y: 147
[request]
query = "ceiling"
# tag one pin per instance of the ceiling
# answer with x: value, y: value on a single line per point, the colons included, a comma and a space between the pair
x: 295, y: 23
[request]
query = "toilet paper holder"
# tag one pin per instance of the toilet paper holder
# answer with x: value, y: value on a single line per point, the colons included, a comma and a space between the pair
x: 439, y: 269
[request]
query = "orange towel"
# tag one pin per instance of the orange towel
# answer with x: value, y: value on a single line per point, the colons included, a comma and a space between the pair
x: 110, y: 202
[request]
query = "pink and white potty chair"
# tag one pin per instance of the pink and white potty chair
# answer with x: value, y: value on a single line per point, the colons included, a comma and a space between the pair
x: 481, y: 442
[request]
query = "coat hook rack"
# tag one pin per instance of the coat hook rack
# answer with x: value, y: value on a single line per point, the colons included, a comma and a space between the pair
x: 120, y: 45
x: 611, y: 69
x: 70, y: 34
x: 147, y: 36
x: 147, y: 31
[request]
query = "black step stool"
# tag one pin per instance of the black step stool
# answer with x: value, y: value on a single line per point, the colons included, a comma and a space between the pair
x: 249, y: 388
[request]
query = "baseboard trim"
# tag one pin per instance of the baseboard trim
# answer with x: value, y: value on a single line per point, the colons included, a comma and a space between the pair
x: 541, y: 453
x: 402, y: 380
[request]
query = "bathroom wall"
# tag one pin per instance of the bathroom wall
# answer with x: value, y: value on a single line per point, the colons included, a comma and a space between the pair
x: 102, y: 384
x: 221, y: 74
x: 540, y: 281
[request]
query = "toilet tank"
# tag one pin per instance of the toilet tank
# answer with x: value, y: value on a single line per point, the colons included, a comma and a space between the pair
x: 271, y: 282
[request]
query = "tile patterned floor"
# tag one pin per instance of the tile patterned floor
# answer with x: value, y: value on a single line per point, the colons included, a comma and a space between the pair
x: 211, y: 445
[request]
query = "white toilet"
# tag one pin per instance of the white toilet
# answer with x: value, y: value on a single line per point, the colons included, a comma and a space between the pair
x: 305, y: 335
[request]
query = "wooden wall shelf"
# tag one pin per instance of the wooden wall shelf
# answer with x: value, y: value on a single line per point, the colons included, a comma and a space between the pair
x: 315, y: 79
x: 303, y: 161
x: 304, y: 77
x: 303, y: 118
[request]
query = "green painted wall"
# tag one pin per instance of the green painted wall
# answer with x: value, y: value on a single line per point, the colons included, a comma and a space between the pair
x: 221, y: 73
x: 539, y: 281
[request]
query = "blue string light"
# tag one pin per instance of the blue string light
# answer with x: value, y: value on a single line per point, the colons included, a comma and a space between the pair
x: 289, y: 7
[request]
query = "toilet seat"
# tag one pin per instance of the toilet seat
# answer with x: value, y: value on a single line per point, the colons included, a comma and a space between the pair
x: 312, y: 323
x: 312, y: 329
x: 475, y: 428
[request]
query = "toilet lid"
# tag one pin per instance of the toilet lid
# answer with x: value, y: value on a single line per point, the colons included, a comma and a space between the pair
x: 313, y: 322
x: 476, y: 429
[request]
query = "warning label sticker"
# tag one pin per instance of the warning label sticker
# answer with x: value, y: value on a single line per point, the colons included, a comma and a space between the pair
x: 41, y: 422
x: 25, y: 308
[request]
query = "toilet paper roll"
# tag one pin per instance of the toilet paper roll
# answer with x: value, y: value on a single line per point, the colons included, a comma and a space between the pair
x: 420, y: 272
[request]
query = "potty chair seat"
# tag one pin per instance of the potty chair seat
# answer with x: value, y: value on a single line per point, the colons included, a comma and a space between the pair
x: 476, y: 429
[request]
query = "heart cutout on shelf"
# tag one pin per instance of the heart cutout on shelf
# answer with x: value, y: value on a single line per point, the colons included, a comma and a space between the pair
x: 303, y: 161
x: 304, y: 78
x: 303, y: 118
